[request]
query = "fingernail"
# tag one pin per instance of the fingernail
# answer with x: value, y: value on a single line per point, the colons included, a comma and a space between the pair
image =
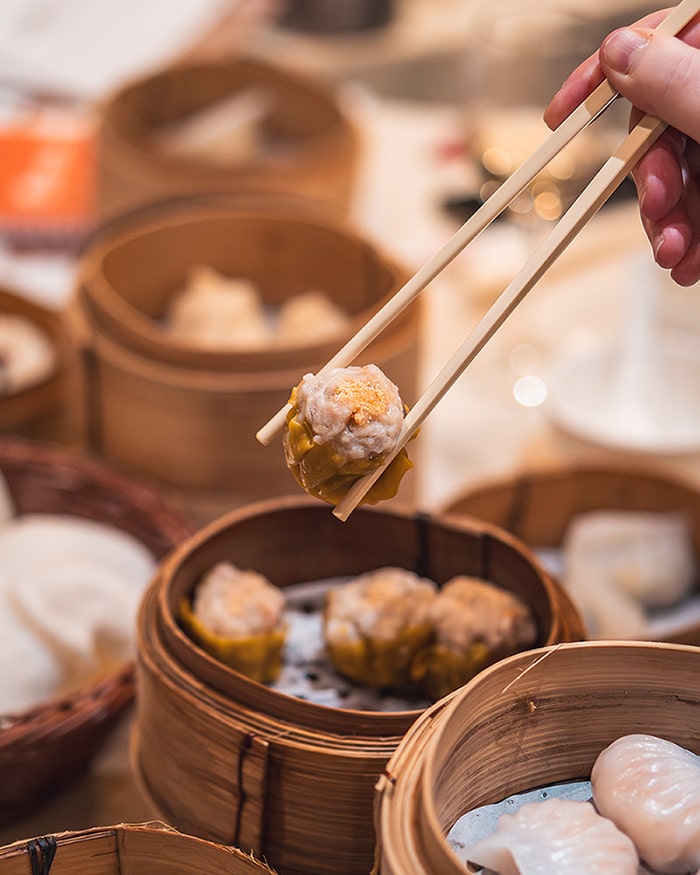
x: 657, y: 246
x: 620, y: 48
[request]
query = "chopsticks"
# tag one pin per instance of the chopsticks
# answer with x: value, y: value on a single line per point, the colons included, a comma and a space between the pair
x: 603, y: 184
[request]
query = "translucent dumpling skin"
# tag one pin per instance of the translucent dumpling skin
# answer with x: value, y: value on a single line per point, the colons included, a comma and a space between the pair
x: 555, y: 836
x: 342, y: 425
x: 650, y: 788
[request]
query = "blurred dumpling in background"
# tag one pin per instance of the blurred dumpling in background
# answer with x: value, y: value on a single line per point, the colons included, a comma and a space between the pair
x: 27, y: 355
x: 218, y: 312
x: 310, y: 317
x: 375, y: 624
x: 342, y: 425
x: 226, y: 133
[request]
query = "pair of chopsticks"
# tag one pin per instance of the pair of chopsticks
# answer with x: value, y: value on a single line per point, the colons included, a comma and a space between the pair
x: 603, y: 184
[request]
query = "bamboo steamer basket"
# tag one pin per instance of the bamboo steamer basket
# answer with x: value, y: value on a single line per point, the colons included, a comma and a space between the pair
x: 47, y: 747
x: 41, y: 410
x: 538, y: 505
x: 126, y: 849
x: 187, y: 418
x: 531, y: 720
x: 320, y: 162
x: 238, y: 762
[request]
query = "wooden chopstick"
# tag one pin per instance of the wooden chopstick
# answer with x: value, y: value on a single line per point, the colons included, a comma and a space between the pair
x: 611, y: 174
x: 582, y: 116
x: 598, y: 101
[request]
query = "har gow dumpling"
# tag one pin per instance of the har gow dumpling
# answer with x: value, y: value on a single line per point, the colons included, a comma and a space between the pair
x: 650, y: 788
x: 555, y: 835
x: 342, y: 425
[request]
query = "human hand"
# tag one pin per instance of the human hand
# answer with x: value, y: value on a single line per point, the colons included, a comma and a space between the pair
x: 660, y: 76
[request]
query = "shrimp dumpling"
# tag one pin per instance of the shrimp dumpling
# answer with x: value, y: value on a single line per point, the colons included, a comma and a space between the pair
x: 555, y: 835
x: 342, y: 425
x: 650, y: 788
x: 238, y: 616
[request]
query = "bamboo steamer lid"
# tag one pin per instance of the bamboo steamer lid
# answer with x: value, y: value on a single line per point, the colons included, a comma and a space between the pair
x: 131, y: 171
x: 531, y: 720
x: 126, y: 849
x: 264, y: 770
x: 187, y: 418
x: 42, y: 409
x: 538, y: 505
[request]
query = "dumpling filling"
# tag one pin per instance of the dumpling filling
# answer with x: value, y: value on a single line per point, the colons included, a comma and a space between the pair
x: 342, y: 425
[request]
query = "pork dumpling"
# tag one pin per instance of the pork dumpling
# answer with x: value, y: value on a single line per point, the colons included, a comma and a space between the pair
x: 238, y: 617
x: 650, y: 788
x: 475, y: 623
x: 375, y: 624
x: 555, y: 835
x: 218, y: 312
x: 310, y: 316
x: 342, y: 425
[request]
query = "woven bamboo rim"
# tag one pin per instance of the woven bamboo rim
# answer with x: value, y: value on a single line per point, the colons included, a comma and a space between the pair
x: 133, y: 172
x: 40, y: 410
x: 132, y: 268
x: 530, y: 720
x: 270, y: 772
x: 538, y: 505
x: 126, y: 849
x: 47, y: 747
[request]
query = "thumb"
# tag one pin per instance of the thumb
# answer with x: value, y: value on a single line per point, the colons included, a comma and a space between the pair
x: 660, y: 75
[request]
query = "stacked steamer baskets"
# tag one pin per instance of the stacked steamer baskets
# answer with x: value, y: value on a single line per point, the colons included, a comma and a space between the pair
x: 47, y: 747
x: 312, y: 147
x: 35, y: 346
x: 187, y: 416
x: 539, y: 505
x: 529, y: 722
x: 144, y: 849
x: 254, y: 766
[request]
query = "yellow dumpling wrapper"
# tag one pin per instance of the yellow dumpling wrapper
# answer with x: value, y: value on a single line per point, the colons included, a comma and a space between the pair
x: 258, y: 656
x: 326, y: 474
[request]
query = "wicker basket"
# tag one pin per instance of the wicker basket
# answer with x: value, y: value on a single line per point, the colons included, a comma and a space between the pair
x: 531, y: 720
x: 132, y: 172
x: 188, y: 418
x: 537, y: 506
x: 127, y: 849
x: 241, y: 763
x: 44, y: 749
x: 42, y: 410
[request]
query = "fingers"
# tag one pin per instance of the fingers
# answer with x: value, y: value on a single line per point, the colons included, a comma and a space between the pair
x: 658, y: 75
x: 659, y: 176
x: 585, y: 78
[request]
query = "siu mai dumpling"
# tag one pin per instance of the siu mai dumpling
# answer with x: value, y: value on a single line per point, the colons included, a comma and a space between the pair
x: 238, y: 616
x: 475, y: 623
x: 342, y: 425
x: 375, y: 624
x: 650, y: 788
x: 310, y: 317
x: 555, y: 836
x: 216, y: 312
